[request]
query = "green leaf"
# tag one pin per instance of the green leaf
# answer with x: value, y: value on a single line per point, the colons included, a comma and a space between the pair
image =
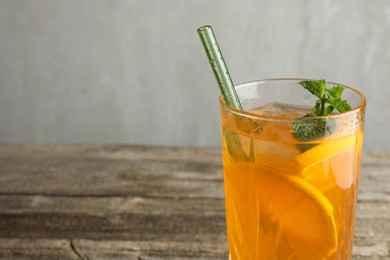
x: 335, y: 92
x: 328, y: 110
x: 328, y: 100
x: 340, y: 104
x: 315, y: 87
x: 323, y: 88
x: 316, y: 110
x: 306, y: 129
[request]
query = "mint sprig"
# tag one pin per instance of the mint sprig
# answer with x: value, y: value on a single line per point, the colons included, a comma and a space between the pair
x: 328, y: 100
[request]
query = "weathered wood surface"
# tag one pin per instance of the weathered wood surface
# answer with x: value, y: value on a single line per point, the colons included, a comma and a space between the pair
x: 136, y: 202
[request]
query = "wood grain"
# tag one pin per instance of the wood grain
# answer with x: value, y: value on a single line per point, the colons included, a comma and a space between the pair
x: 137, y: 202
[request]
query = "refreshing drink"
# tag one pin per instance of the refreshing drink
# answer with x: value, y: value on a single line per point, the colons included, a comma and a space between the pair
x: 290, y: 195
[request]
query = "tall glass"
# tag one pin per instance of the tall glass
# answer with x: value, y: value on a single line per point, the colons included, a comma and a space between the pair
x: 289, y: 197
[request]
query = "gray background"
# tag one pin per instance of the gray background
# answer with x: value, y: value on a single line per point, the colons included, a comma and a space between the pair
x: 133, y: 71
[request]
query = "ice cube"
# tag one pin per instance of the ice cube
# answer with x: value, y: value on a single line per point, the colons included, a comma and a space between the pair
x: 281, y: 110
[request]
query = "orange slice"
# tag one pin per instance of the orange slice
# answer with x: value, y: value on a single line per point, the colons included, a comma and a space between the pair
x: 330, y: 163
x: 303, y: 213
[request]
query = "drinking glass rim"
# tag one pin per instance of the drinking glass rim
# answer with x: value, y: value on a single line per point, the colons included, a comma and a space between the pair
x: 246, y: 114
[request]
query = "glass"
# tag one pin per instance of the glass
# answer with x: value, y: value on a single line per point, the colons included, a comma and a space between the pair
x: 287, y: 198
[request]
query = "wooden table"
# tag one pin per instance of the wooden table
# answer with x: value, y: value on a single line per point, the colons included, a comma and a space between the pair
x: 137, y: 202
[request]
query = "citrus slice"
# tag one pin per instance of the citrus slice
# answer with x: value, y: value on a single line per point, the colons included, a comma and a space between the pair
x: 324, y: 151
x: 259, y: 201
x: 330, y: 163
x: 304, y: 215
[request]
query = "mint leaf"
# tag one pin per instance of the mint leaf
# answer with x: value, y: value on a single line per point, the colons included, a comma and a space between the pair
x: 316, y: 110
x: 340, y: 104
x: 309, y: 129
x: 335, y: 92
x: 329, y: 99
x: 328, y: 110
x: 317, y: 88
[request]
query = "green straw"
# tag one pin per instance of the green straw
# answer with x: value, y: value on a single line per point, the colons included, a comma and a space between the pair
x: 227, y: 89
x: 218, y: 66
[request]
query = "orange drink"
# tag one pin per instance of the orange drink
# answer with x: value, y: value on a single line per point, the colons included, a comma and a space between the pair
x: 288, y: 196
